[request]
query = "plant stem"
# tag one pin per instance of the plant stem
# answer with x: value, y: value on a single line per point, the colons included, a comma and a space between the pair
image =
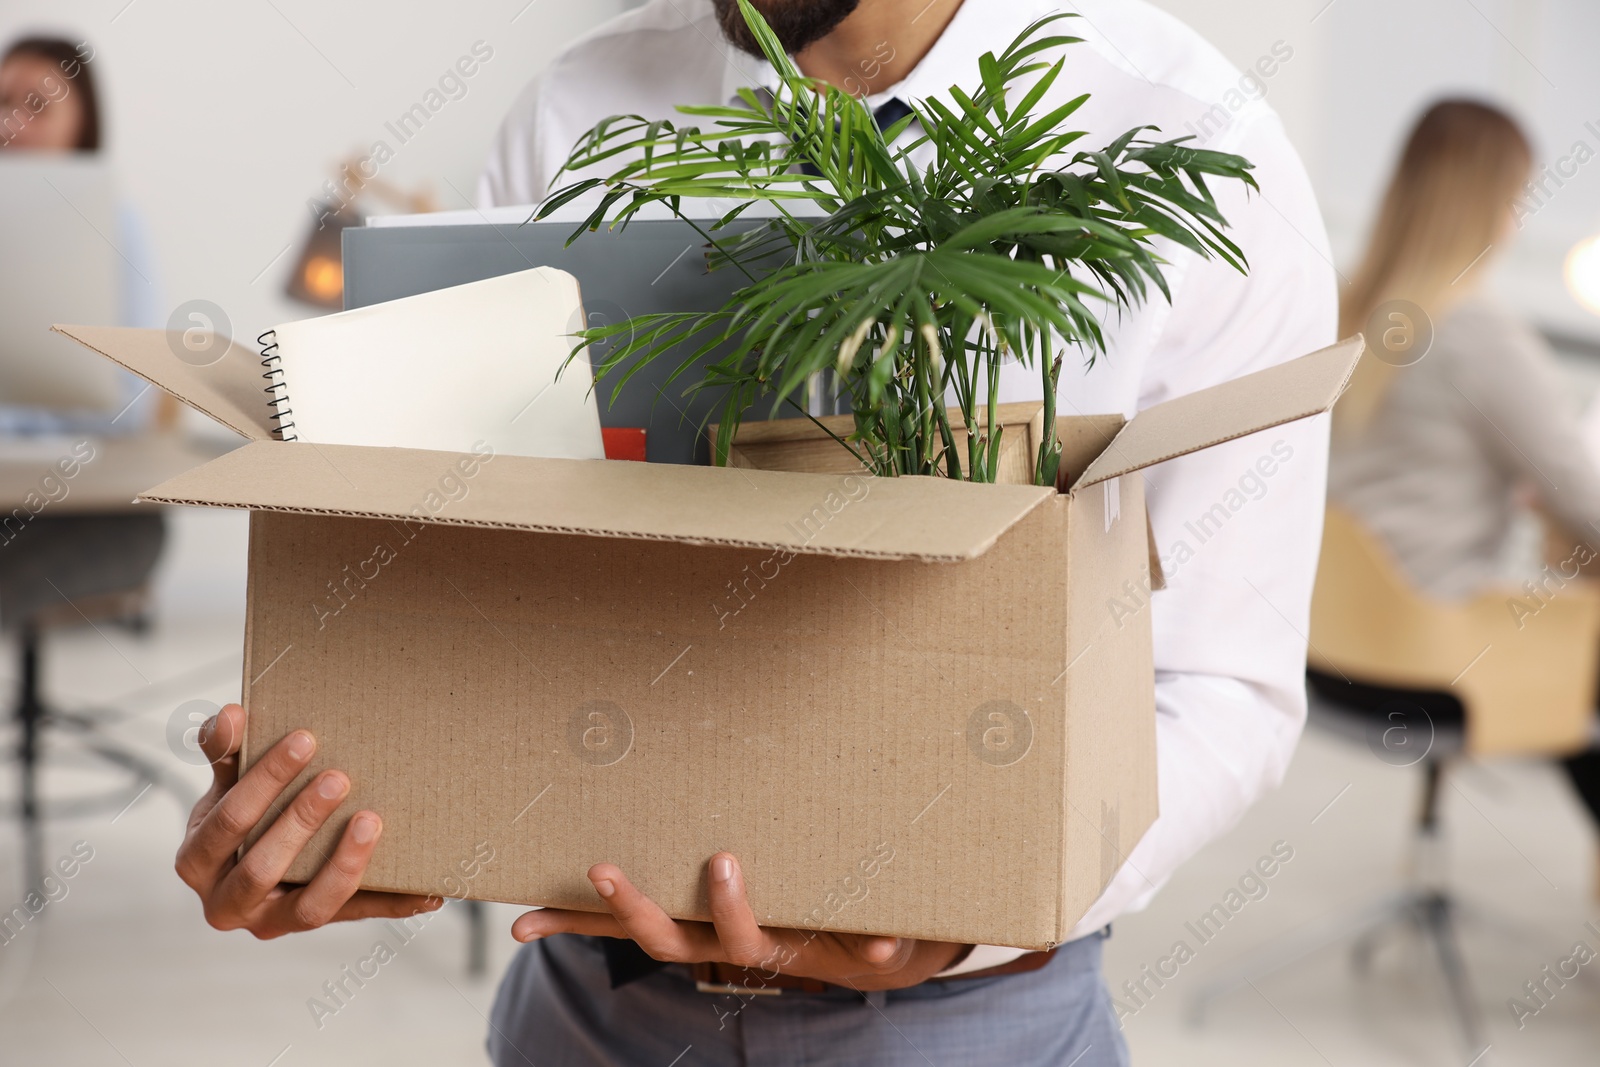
x: 923, y: 370
x: 993, y: 457
x: 952, y: 457
x: 1051, y: 366
x: 712, y: 241
x: 824, y: 429
x: 969, y: 413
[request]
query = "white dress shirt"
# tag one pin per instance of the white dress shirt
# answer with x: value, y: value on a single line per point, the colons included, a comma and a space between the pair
x: 1230, y: 626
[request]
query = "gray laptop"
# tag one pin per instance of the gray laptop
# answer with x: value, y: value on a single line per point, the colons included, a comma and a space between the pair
x: 59, y: 227
x: 651, y: 266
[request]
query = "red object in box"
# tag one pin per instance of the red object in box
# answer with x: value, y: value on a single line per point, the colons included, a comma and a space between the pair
x: 624, y: 442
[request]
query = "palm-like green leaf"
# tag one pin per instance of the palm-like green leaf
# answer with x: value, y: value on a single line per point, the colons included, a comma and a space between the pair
x: 911, y: 267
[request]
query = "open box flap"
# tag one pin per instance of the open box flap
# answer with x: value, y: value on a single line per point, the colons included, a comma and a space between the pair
x: 228, y: 389
x: 1288, y: 392
x: 929, y: 519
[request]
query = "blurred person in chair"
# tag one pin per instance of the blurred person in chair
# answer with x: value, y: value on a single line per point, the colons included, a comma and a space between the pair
x: 1458, y: 410
x: 50, y: 106
x: 73, y: 563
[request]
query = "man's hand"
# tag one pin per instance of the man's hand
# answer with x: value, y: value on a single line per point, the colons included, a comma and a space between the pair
x: 733, y: 936
x: 246, y: 894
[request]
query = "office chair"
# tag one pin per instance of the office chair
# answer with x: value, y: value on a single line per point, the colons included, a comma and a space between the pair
x: 74, y: 570
x: 1425, y: 683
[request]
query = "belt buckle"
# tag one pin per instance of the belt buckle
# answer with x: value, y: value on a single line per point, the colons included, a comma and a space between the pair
x: 737, y: 990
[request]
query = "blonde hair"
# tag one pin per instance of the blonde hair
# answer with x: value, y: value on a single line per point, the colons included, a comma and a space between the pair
x: 1449, y: 202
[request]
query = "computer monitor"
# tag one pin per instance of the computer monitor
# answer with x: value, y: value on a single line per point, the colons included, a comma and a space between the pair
x: 651, y: 266
x: 58, y: 263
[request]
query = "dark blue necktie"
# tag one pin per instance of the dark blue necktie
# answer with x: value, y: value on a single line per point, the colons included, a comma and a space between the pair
x: 886, y: 116
x: 890, y: 113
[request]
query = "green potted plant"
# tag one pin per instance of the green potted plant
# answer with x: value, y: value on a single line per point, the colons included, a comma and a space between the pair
x: 912, y: 271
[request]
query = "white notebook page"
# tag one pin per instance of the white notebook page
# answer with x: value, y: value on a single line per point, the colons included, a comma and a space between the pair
x: 447, y: 370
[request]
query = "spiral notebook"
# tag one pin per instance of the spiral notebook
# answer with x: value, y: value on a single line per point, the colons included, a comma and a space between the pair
x: 450, y: 370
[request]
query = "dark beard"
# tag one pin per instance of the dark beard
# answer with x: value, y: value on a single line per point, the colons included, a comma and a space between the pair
x: 797, y: 23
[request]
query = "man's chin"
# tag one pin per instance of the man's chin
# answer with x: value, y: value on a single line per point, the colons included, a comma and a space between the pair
x: 797, y: 23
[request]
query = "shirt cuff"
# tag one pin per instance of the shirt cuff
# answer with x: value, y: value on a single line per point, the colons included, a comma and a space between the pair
x: 981, y: 958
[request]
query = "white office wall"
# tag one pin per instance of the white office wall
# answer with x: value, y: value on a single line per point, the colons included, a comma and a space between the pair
x: 1364, y: 69
x: 225, y: 118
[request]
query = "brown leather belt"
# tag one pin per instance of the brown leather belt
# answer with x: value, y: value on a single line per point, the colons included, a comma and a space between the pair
x: 746, y: 981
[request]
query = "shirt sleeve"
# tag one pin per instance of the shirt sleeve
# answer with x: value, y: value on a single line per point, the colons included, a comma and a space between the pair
x: 1238, y: 527
x: 1521, y: 413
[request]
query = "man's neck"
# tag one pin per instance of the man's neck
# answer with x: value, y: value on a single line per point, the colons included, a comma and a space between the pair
x: 878, y: 45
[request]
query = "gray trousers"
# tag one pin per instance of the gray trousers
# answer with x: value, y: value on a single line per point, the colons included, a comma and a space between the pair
x: 555, y: 1008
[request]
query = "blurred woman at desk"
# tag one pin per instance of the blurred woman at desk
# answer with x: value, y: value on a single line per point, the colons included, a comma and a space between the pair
x: 49, y: 106
x: 1434, y: 445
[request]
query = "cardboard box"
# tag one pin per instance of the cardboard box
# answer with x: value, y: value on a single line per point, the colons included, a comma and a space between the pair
x: 901, y: 702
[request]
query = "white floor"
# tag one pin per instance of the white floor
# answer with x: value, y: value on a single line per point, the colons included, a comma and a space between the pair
x: 122, y: 969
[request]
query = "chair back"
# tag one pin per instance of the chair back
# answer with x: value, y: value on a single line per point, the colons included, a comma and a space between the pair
x: 1526, y: 675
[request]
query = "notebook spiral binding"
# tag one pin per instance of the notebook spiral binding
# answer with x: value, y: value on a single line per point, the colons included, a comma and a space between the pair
x: 277, y: 392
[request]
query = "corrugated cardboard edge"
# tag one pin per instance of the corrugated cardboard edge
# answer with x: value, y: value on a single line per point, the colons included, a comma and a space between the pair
x: 246, y: 668
x: 189, y: 393
x: 1121, y: 687
x: 1069, y: 638
x: 1327, y: 371
x: 155, y: 497
x: 901, y: 519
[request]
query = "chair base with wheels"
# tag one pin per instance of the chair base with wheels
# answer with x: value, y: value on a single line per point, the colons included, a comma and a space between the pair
x: 65, y: 571
x: 1403, y: 728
